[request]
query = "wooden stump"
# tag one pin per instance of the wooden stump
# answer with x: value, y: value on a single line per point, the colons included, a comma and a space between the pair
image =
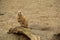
x: 24, y: 33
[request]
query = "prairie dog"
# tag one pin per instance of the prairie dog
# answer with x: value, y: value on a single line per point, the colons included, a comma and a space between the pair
x: 22, y: 20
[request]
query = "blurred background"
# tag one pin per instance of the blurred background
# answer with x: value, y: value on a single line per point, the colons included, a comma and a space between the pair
x: 43, y: 16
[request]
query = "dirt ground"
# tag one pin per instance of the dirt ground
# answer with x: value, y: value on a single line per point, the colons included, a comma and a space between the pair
x: 43, y: 17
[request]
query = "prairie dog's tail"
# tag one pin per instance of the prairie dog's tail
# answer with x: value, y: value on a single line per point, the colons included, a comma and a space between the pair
x: 22, y: 20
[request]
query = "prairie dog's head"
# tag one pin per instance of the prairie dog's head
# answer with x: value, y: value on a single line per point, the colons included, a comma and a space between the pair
x: 19, y: 13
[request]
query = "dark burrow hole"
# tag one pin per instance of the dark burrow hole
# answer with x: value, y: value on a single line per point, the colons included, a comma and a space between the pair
x: 1, y: 14
x: 57, y: 36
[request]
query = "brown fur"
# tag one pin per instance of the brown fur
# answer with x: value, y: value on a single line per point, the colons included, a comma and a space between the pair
x: 22, y: 20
